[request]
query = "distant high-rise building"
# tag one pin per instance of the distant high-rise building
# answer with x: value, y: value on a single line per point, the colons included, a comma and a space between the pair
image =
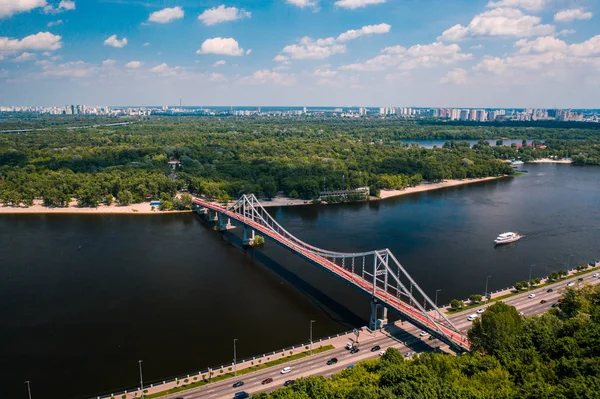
x: 382, y: 111
x: 362, y: 111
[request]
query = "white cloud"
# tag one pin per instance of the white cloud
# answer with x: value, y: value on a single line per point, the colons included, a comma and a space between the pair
x: 249, y: 51
x: 219, y: 63
x: 541, y: 45
x: 499, y: 22
x: 365, y: 30
x: 476, y: 47
x: 77, y: 69
x: 11, y: 7
x: 281, y: 58
x: 353, y: 4
x: 417, y: 56
x: 585, y: 49
x: 217, y: 15
x: 165, y: 70
x: 166, y: 15
x: 40, y: 41
x: 324, y: 73
x: 67, y: 5
x: 571, y: 15
x: 133, y: 65
x: 64, y: 5
x: 146, y: 44
x: 531, y: 5
x: 24, y: 57
x: 114, y: 42
x: 457, y: 76
x: 217, y: 77
x: 221, y: 45
x: 108, y: 62
x: 265, y: 76
x: 55, y: 23
x: 303, y: 3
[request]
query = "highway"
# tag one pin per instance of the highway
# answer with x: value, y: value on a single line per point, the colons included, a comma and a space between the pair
x: 405, y: 340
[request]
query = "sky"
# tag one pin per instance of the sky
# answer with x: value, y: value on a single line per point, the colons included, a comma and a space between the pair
x: 428, y: 53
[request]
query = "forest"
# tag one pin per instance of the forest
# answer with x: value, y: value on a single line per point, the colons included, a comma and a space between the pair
x: 555, y: 355
x: 224, y: 157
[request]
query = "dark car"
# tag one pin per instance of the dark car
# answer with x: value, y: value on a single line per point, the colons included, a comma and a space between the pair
x: 355, y: 350
x: 238, y: 384
x: 267, y: 381
x: 555, y: 305
x: 239, y: 395
x: 289, y: 382
x: 543, y: 301
x: 550, y: 290
x: 375, y: 348
x: 580, y: 278
x: 332, y: 361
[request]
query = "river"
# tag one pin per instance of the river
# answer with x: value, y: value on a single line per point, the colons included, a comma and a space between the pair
x: 83, y: 297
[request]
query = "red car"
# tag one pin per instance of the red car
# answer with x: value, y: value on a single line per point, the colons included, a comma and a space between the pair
x: 267, y: 381
x: 543, y: 301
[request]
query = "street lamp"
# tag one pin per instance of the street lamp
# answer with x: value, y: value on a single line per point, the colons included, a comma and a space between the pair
x: 436, y: 294
x: 141, y: 378
x: 234, y: 358
x: 529, y: 281
x: 486, y: 287
x: 28, y: 389
x: 311, y: 323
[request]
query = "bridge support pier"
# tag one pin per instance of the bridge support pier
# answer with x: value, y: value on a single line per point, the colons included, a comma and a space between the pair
x: 375, y: 322
x: 248, y: 240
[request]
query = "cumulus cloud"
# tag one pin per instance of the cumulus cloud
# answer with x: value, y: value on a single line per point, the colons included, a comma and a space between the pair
x: 40, y: 41
x: 541, y: 45
x: 217, y: 15
x: 353, y: 4
x: 417, y: 56
x: 303, y: 3
x: 499, y: 22
x: 133, y: 65
x: 166, y: 15
x: 531, y: 5
x: 457, y: 76
x: 308, y: 48
x: 265, y: 76
x: 165, y: 70
x: 219, y: 63
x: 222, y: 46
x: 571, y: 15
x: 24, y: 57
x: 365, y: 30
x: 108, y: 62
x: 67, y: 5
x: 114, y: 42
x: 64, y: 5
x: 55, y: 23
x: 11, y: 7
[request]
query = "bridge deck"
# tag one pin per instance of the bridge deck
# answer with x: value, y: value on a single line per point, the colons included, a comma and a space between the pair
x: 408, y: 311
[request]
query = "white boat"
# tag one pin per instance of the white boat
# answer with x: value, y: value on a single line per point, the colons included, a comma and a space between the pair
x: 506, y: 238
x: 516, y: 163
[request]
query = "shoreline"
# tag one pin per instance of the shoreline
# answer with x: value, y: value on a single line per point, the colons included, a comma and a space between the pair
x: 143, y: 208
x: 548, y: 160
x: 423, y: 187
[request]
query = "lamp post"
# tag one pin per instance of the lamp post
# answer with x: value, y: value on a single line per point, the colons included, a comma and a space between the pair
x: 529, y: 281
x: 436, y: 296
x: 234, y: 358
x: 28, y: 389
x: 311, y: 323
x: 486, y: 287
x: 141, y: 378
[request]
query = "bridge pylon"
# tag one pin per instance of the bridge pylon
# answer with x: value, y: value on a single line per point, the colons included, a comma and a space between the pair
x: 375, y: 322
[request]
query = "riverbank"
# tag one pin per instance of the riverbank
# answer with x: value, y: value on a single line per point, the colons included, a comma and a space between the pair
x: 549, y: 160
x: 433, y: 186
x: 139, y: 209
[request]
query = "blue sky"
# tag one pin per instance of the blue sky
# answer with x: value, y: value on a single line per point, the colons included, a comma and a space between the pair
x: 459, y: 53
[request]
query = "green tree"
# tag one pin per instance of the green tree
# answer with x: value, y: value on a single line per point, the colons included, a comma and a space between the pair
x: 475, y: 298
x: 519, y: 286
x: 554, y: 276
x: 456, y: 304
x: 124, y: 197
x: 497, y: 330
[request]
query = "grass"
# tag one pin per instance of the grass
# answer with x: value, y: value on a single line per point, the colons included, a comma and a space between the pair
x: 241, y: 372
x: 476, y: 305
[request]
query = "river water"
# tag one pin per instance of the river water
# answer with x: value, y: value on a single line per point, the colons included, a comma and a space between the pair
x: 83, y: 297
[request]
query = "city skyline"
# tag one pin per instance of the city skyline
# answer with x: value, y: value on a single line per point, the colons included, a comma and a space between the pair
x: 513, y: 53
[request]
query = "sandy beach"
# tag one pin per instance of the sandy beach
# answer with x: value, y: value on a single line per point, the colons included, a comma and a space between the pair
x: 549, y: 160
x: 432, y: 186
x: 37, y: 207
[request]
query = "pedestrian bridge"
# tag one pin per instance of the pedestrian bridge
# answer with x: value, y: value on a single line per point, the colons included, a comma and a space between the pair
x: 376, y: 273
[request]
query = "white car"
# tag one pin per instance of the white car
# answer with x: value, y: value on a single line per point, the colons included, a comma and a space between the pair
x: 381, y: 353
x: 572, y: 283
x: 286, y: 370
x: 531, y: 296
x: 472, y: 317
x: 424, y: 334
x: 349, y: 345
x: 595, y: 275
x: 480, y: 311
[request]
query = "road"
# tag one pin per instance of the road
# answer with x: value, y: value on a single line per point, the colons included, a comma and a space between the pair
x: 403, y: 337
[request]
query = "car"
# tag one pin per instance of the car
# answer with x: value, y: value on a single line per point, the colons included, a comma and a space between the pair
x: 289, y: 382
x: 286, y: 370
x: 555, y: 305
x: 480, y: 311
x: 332, y: 361
x: 375, y: 348
x: 409, y: 354
x: 350, y: 367
x: 238, y: 384
x: 571, y: 283
x: 349, y: 345
x: 423, y: 334
x: 238, y: 395
x: 472, y: 317
x: 521, y: 314
x: 595, y: 275
x: 592, y: 263
x: 580, y: 279
x: 550, y: 290
x: 531, y: 296
x: 267, y: 381
x: 543, y: 301
x: 355, y: 350
x: 560, y: 299
x: 381, y: 353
